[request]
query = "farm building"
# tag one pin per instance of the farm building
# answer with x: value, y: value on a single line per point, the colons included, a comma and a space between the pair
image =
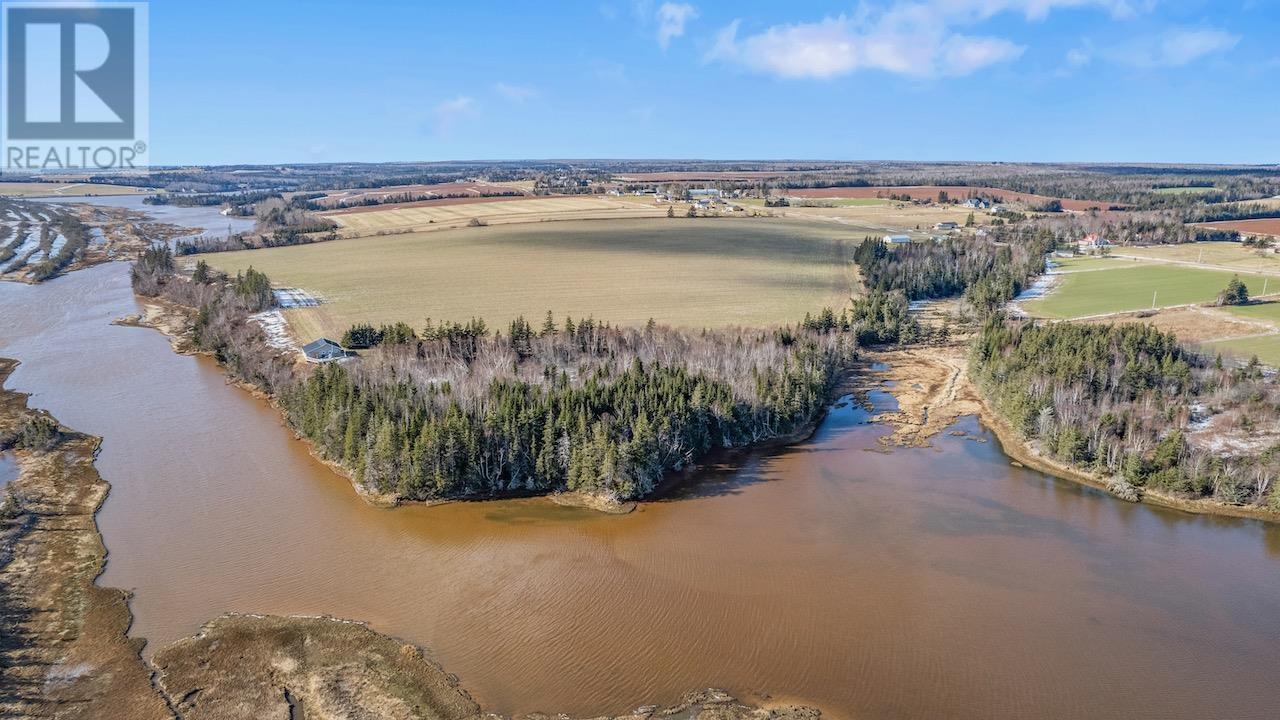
x: 897, y: 239
x: 946, y: 226
x: 696, y: 193
x: 324, y: 350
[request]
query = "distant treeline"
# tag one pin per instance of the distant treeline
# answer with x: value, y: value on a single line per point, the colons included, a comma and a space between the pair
x: 208, y: 199
x: 457, y: 410
x: 1128, y: 403
x: 1233, y: 211
x: 372, y: 200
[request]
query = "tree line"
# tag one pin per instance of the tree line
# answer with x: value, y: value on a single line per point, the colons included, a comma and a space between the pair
x: 988, y: 272
x: 1129, y: 403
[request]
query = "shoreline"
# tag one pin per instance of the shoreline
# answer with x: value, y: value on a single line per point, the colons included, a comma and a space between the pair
x: 173, y: 320
x: 69, y: 637
x: 925, y: 412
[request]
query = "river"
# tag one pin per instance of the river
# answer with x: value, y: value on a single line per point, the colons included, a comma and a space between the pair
x: 916, y: 583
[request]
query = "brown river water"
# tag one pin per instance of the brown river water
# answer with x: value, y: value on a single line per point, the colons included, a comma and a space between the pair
x: 917, y: 583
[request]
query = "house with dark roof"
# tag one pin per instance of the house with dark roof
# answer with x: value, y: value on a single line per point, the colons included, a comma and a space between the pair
x: 325, y: 350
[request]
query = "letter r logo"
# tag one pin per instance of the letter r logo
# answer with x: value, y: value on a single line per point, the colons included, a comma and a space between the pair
x: 69, y: 71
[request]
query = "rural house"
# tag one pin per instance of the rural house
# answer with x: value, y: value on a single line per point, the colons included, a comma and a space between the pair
x: 946, y: 226
x: 324, y: 350
x: 1092, y: 243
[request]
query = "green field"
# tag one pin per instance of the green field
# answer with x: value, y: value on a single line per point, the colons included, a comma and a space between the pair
x: 1265, y: 311
x: 1265, y: 347
x: 1232, y: 255
x: 1089, y: 262
x: 687, y: 272
x: 1131, y: 288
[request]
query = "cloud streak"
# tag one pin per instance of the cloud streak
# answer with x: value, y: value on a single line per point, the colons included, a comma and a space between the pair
x: 448, y: 112
x: 917, y: 38
x: 516, y: 93
x: 839, y: 46
x: 672, y: 18
x: 1176, y: 47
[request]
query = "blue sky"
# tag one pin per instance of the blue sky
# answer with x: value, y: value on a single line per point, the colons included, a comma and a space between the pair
x: 1043, y: 80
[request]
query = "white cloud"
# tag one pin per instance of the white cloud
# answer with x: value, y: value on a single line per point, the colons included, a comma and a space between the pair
x: 838, y: 46
x: 1174, y: 48
x: 516, y: 93
x: 1079, y: 57
x: 671, y: 21
x: 448, y: 112
x: 962, y: 55
x: 920, y: 38
x: 1035, y: 9
x: 1179, y: 47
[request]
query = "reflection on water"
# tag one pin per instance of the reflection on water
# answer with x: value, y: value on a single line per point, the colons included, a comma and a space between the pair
x: 8, y: 469
x: 918, y: 583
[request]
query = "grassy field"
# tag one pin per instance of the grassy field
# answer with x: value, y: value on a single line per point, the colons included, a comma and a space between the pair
x: 1086, y: 263
x: 688, y: 272
x: 1131, y: 287
x: 587, y: 207
x: 1264, y: 311
x: 1224, y: 254
x: 1265, y: 347
x: 883, y: 218
x: 15, y: 189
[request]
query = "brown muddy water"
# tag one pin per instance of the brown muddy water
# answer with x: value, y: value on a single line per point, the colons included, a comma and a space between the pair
x: 918, y: 583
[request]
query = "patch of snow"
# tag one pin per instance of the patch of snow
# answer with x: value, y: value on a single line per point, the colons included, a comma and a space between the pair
x: 276, y: 329
x: 56, y: 246
x: 295, y: 298
x: 23, y: 252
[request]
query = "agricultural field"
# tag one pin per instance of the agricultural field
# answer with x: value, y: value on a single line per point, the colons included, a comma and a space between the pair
x: 933, y: 192
x: 1223, y: 255
x: 824, y: 202
x: 1268, y: 312
x: 1264, y: 347
x: 411, y: 217
x: 1264, y: 226
x: 884, y: 217
x: 1131, y: 287
x: 1087, y: 263
x: 20, y: 189
x: 687, y: 272
x: 1194, y: 324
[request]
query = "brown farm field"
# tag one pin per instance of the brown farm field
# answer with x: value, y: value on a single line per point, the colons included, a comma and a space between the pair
x: 409, y: 217
x: 931, y: 192
x: 1264, y: 226
x: 885, y: 218
x: 703, y: 272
